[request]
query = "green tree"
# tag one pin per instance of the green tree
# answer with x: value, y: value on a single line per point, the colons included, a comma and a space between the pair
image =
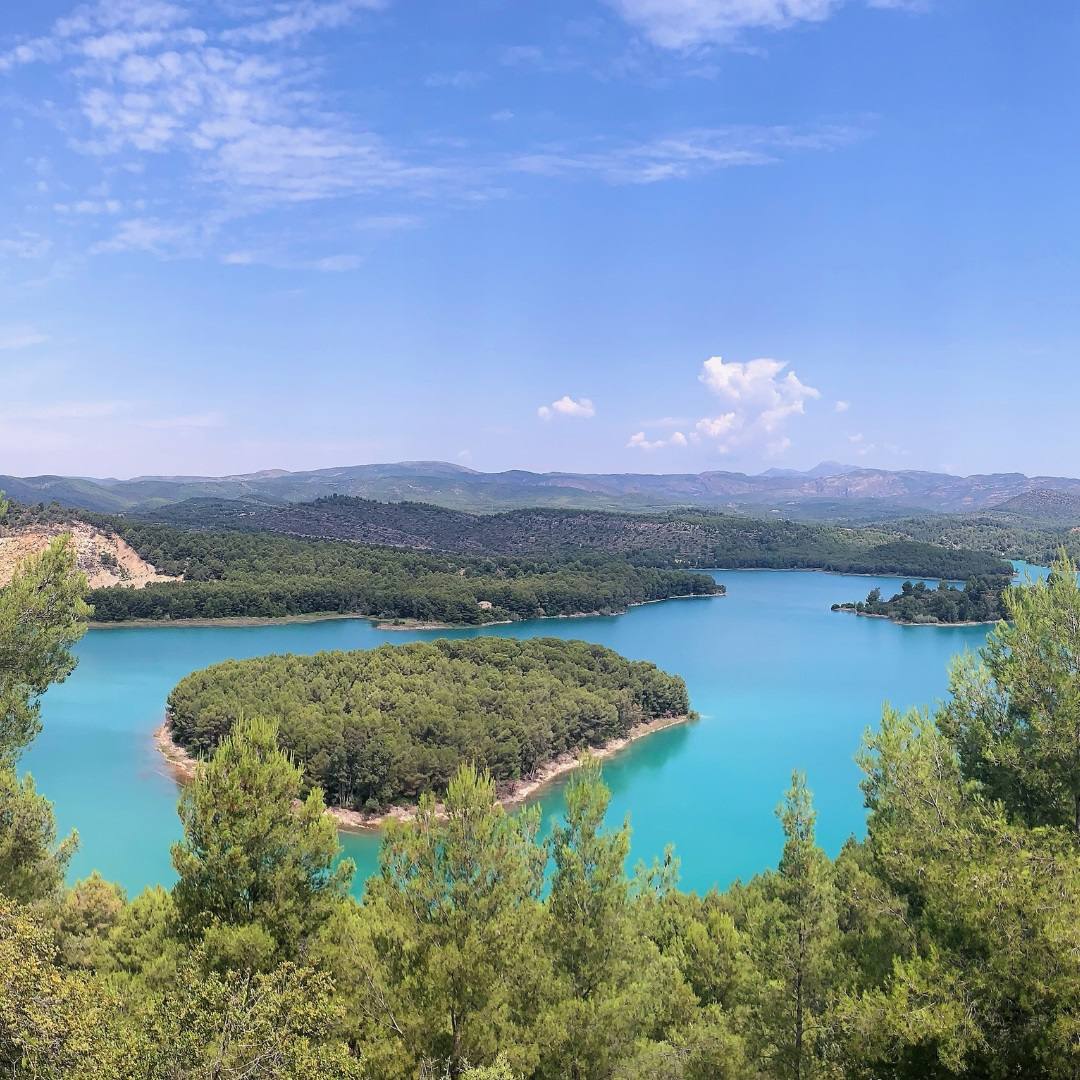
x: 256, y: 867
x: 42, y: 614
x: 615, y: 989
x: 54, y: 1025
x: 450, y: 965
x: 1015, y: 717
x: 790, y: 918
x: 241, y: 1025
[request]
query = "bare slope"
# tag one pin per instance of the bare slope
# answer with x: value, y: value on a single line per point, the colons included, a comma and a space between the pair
x: 103, y: 557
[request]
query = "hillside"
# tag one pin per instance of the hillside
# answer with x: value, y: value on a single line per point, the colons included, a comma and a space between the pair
x: 815, y: 492
x: 690, y: 538
x: 105, y: 558
x: 1044, y: 505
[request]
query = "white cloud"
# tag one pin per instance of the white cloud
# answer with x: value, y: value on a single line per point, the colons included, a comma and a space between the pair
x: 192, y: 420
x: 389, y: 222
x: 20, y: 337
x: 222, y: 117
x: 141, y: 234
x: 336, y: 264
x: 638, y: 441
x: 717, y: 427
x: 26, y: 245
x: 64, y: 410
x: 580, y: 408
x: 842, y: 406
x: 302, y: 17
x: 685, y: 24
x: 667, y: 422
x: 684, y: 154
x: 762, y: 395
x: 90, y: 206
x: 856, y: 438
x: 456, y: 80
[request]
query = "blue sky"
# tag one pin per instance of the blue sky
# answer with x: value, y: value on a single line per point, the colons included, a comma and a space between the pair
x: 606, y: 235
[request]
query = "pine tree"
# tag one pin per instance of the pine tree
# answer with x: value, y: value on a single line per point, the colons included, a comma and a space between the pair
x: 256, y: 869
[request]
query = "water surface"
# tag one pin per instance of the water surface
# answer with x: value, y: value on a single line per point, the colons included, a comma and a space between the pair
x: 781, y: 682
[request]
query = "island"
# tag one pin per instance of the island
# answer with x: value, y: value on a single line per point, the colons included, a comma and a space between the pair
x: 979, y: 601
x: 375, y: 729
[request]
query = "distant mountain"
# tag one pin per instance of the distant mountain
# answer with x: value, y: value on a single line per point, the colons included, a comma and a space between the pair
x: 823, y: 468
x: 828, y: 490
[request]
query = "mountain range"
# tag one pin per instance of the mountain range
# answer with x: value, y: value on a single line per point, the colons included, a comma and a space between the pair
x: 828, y: 490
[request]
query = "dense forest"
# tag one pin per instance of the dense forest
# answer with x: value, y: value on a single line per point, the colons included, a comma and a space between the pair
x: 685, y: 538
x: 236, y: 574
x: 375, y: 727
x: 943, y: 945
x: 980, y: 600
x: 996, y: 533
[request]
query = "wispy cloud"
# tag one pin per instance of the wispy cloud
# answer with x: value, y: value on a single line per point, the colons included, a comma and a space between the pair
x: 688, y: 153
x: 207, y: 118
x: 685, y: 24
x: 841, y: 406
x: 455, y: 80
x: 300, y: 18
x: 64, y: 410
x: 21, y: 337
x: 576, y: 408
x: 192, y: 420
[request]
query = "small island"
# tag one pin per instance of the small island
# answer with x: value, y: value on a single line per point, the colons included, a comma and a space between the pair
x: 979, y: 601
x: 378, y: 728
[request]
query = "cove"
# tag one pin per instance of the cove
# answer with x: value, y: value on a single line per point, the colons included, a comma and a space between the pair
x: 781, y: 682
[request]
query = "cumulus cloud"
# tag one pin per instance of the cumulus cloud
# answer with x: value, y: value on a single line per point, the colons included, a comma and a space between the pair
x: 761, y: 396
x: 639, y: 441
x: 579, y: 408
x: 685, y: 24
x: 764, y: 393
x: 842, y: 406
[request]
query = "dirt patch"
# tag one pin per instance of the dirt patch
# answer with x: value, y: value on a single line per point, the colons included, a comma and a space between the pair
x: 103, y: 557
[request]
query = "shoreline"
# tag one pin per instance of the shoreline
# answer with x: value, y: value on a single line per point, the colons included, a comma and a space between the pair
x: 902, y: 622
x: 378, y: 622
x: 181, y: 765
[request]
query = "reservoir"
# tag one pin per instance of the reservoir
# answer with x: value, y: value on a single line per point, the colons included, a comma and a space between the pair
x: 780, y: 681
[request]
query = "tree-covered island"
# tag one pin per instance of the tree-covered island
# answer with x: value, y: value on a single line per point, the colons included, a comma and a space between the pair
x: 374, y: 728
x: 980, y: 600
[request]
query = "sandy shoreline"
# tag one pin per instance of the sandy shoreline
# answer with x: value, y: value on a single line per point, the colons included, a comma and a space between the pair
x: 182, y: 765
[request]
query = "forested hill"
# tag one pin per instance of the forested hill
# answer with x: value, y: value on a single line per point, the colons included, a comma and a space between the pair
x: 687, y: 538
x: 375, y: 727
x: 260, y: 575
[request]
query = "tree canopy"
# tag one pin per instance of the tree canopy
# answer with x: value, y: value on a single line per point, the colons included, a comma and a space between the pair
x: 375, y: 727
x: 944, y: 945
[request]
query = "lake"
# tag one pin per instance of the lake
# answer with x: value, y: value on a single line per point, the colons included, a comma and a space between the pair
x: 780, y: 681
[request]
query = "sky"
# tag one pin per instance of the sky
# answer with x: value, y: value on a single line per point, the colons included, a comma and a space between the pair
x: 588, y: 235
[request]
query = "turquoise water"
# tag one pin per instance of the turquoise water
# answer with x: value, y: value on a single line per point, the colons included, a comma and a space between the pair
x: 781, y: 682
